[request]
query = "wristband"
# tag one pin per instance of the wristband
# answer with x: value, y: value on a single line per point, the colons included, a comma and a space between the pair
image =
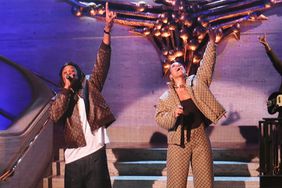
x: 107, y: 32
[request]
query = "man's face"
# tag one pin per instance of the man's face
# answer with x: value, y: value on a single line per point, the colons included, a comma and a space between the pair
x: 69, y: 70
x: 177, y: 70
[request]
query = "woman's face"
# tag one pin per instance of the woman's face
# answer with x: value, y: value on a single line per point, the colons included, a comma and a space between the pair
x: 177, y: 70
x: 69, y: 70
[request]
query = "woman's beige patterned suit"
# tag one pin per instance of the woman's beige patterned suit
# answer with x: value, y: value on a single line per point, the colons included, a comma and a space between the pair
x: 196, y: 150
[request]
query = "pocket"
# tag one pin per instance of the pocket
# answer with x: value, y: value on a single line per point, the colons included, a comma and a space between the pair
x: 172, y: 137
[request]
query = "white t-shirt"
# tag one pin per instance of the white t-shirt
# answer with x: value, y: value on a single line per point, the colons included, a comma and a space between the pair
x: 94, y: 140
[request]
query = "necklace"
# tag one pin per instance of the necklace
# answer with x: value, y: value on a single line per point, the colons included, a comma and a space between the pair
x: 180, y: 86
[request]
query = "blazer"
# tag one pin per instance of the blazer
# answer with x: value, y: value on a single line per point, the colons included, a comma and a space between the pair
x: 198, y: 88
x: 64, y: 108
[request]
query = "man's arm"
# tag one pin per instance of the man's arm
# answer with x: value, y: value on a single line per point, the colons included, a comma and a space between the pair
x: 110, y: 16
x: 60, y: 104
x: 102, y: 64
x: 101, y: 67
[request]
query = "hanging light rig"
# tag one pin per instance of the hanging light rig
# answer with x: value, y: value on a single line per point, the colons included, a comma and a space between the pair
x: 179, y: 28
x: 87, y: 9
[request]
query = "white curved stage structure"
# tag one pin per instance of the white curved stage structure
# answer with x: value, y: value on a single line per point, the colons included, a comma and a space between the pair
x: 26, y: 133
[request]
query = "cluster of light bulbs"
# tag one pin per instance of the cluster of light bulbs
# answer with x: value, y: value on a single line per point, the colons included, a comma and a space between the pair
x: 90, y: 9
x: 179, y: 28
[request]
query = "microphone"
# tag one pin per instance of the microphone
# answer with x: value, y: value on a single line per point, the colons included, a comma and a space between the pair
x: 69, y: 78
x: 75, y: 83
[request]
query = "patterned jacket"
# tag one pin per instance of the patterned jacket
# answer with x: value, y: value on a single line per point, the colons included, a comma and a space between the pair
x: 64, y: 108
x: 198, y: 88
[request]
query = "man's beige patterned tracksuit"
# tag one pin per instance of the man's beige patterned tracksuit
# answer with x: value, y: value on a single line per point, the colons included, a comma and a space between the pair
x: 197, y: 150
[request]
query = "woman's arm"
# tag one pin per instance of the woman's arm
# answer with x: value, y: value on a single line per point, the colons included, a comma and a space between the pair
x: 165, y: 116
x: 205, y: 71
x: 277, y: 63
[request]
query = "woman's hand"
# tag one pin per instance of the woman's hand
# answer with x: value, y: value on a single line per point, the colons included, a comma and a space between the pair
x: 178, y: 111
x: 262, y: 40
x: 212, y: 35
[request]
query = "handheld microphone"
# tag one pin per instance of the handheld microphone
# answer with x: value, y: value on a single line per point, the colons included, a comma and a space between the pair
x: 69, y: 78
x: 75, y: 84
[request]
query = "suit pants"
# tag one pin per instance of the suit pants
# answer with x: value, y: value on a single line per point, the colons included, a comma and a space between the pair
x: 90, y: 171
x: 196, y: 152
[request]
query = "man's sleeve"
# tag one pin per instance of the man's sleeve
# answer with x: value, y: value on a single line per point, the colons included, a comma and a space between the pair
x: 60, y: 105
x: 101, y: 67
